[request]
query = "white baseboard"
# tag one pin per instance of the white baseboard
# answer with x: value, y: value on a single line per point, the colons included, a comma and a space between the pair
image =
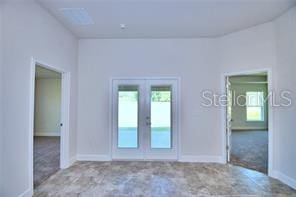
x: 27, y: 193
x: 185, y: 158
x: 284, y: 178
x: 49, y: 134
x: 72, y: 160
x: 202, y: 159
x: 81, y: 157
x: 248, y: 128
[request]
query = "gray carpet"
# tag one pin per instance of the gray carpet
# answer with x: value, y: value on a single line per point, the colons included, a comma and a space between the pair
x: 250, y: 149
x: 46, y: 158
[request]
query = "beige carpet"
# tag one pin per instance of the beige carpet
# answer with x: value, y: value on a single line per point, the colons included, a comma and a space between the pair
x: 250, y: 150
x: 46, y: 158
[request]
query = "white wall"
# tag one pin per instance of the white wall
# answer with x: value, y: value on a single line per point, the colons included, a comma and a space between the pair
x: 30, y: 31
x: 194, y: 60
x: 199, y: 62
x: 1, y: 106
x: 285, y: 135
x: 271, y: 46
x: 250, y: 49
x: 47, y: 116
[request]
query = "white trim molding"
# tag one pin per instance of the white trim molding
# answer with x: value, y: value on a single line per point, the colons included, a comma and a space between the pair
x: 270, y: 114
x: 284, y: 178
x: 185, y: 158
x: 65, y: 114
x: 27, y: 193
x: 202, y: 159
x: 46, y: 134
x: 249, y: 128
x: 72, y: 160
x: 144, y: 153
x: 90, y: 157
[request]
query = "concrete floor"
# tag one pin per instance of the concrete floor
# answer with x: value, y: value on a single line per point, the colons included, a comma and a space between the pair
x: 250, y: 149
x: 144, y: 178
x: 46, y: 158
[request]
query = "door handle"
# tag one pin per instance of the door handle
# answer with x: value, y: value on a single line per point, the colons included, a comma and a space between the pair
x: 148, y: 121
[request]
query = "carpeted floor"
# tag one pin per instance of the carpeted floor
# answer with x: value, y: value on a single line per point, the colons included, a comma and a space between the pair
x: 46, y: 158
x: 159, y: 179
x: 250, y: 149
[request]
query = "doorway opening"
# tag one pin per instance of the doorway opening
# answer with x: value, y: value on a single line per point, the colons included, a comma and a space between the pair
x: 247, y: 120
x: 47, y: 123
x: 48, y: 139
x: 145, y: 119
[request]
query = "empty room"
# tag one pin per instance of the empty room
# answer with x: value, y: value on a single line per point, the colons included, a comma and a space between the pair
x: 47, y: 124
x: 248, y: 145
x: 147, y: 98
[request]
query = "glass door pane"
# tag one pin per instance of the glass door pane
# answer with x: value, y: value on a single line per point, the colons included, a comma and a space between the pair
x: 160, y: 114
x: 128, y: 105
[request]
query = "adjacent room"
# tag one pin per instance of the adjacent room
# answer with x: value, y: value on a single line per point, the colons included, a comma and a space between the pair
x: 249, y: 121
x: 47, y: 120
x: 147, y: 98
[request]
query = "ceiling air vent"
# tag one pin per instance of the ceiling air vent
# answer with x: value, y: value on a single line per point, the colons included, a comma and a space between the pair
x: 77, y: 16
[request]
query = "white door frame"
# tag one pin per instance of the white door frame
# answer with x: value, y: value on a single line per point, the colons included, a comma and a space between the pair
x: 177, y: 115
x: 270, y: 115
x: 228, y: 119
x: 65, y: 114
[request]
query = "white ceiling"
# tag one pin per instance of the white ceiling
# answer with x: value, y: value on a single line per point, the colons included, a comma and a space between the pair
x: 168, y: 18
x: 43, y: 73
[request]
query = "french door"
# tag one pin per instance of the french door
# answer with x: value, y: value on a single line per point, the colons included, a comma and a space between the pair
x: 145, y: 117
